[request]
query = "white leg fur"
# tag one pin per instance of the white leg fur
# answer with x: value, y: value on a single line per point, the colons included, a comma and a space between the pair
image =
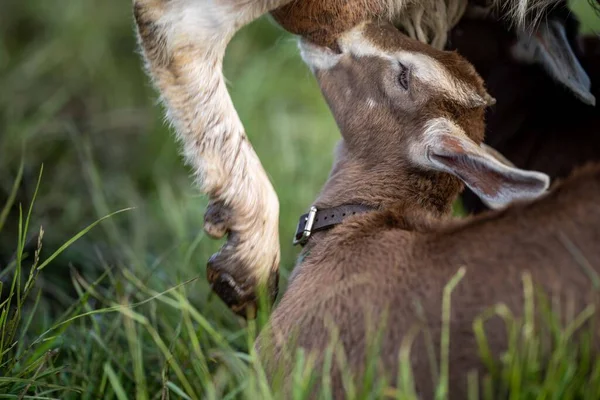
x: 184, y: 42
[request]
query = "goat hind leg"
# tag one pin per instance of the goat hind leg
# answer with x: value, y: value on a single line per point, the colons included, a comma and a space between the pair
x: 183, y: 43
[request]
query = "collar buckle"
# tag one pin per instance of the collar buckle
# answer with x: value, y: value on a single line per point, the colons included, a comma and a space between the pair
x: 306, y: 231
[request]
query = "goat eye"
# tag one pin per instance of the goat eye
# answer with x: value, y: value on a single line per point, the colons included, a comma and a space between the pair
x: 403, y: 77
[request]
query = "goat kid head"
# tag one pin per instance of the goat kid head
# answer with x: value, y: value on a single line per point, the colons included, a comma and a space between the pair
x: 403, y: 104
x: 552, y: 43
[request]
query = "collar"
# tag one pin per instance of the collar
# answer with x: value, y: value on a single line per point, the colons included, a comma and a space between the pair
x: 320, y: 220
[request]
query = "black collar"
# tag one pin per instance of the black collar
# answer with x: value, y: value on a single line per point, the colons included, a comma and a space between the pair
x: 319, y: 220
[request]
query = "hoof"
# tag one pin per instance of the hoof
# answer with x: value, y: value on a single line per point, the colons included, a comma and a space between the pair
x: 238, y: 291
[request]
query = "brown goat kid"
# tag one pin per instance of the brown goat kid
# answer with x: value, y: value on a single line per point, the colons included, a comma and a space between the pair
x: 183, y: 43
x: 412, y: 123
x: 537, y: 124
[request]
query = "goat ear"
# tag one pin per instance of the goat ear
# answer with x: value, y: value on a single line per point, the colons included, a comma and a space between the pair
x: 485, y: 171
x: 550, y: 48
x: 496, y: 154
x: 482, y: 101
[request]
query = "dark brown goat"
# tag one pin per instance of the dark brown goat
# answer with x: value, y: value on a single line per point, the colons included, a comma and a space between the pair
x: 537, y: 122
x: 412, y: 123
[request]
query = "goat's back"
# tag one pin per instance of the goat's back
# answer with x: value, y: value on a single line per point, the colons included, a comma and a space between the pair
x: 372, y: 266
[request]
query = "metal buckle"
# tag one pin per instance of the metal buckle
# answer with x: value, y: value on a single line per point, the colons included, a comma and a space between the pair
x: 310, y: 220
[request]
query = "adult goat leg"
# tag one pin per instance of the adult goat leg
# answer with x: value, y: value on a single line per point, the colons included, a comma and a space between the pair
x: 183, y: 43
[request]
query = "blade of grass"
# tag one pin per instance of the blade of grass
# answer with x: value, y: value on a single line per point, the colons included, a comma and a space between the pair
x: 442, y: 389
x: 13, y: 194
x: 35, y: 193
x: 177, y: 390
x: 114, y: 382
x: 78, y: 236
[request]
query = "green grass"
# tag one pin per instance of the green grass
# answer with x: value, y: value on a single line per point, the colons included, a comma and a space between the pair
x: 95, y: 304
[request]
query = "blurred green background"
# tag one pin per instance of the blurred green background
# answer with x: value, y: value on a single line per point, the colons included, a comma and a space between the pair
x: 74, y: 97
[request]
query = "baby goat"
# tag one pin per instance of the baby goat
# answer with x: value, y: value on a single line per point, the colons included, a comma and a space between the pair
x: 412, y: 122
x: 183, y: 43
x: 537, y: 124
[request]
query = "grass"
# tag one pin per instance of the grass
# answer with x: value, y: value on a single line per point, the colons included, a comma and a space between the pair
x: 97, y: 303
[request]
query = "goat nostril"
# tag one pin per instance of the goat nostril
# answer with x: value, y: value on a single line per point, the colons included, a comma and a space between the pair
x: 344, y: 214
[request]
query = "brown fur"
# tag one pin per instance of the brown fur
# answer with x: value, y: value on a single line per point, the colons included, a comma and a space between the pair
x: 383, y: 262
x: 322, y: 22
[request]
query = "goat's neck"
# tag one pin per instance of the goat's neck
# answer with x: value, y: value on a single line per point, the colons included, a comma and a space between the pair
x: 389, y: 185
